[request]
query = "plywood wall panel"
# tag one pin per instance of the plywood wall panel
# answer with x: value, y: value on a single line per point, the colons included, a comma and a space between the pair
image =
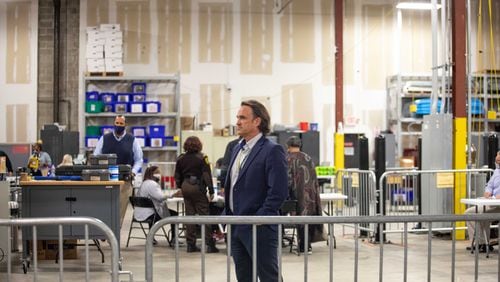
x: 215, y: 33
x: 214, y: 105
x: 377, y: 59
x: 416, y: 42
x: 18, y: 59
x: 256, y: 37
x: 16, y: 116
x: 327, y: 42
x: 97, y: 12
x: 297, y: 103
x: 10, y: 123
x: 186, y: 106
x: 134, y: 18
x: 174, y: 36
x: 297, y: 32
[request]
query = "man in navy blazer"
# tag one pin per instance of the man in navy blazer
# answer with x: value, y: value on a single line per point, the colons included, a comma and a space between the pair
x: 256, y: 184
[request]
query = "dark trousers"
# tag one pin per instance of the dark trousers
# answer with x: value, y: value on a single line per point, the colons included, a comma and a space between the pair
x: 195, y: 203
x: 152, y: 219
x: 267, y: 253
x: 301, y: 234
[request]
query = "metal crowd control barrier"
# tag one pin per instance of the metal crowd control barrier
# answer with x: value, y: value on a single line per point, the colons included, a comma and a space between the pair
x: 307, y: 220
x: 429, y: 192
x: 359, y: 186
x: 60, y: 222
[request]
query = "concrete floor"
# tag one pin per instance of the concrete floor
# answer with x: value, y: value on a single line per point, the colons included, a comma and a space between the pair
x: 293, y: 265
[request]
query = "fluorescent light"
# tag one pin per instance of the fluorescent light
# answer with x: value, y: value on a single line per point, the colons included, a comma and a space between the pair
x: 416, y: 6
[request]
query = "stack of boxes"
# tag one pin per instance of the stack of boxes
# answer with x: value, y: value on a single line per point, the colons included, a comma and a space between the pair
x: 104, y: 48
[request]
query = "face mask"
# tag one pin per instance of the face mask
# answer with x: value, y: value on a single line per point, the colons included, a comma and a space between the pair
x: 157, y: 177
x: 119, y: 129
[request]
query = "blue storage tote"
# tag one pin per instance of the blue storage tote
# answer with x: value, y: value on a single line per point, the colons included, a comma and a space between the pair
x: 476, y: 107
x: 170, y: 141
x: 138, y: 130
x: 152, y: 107
x: 424, y: 106
x: 109, y: 107
x: 121, y: 107
x: 138, y: 97
x: 92, y: 96
x: 107, y: 129
x: 122, y: 97
x: 108, y: 97
x: 156, y: 141
x: 136, y: 107
x: 157, y: 131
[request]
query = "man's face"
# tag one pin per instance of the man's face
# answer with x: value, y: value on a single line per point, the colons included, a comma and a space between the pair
x: 120, y: 121
x: 247, y: 125
x: 497, y: 159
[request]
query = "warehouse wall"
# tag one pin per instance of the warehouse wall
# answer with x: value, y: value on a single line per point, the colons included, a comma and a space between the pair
x: 226, y: 51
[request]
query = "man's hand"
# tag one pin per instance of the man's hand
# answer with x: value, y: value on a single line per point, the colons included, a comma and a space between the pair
x: 487, y: 194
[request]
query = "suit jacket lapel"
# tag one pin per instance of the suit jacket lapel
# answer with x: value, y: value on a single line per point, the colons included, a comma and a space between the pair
x: 255, y: 151
x: 234, y: 153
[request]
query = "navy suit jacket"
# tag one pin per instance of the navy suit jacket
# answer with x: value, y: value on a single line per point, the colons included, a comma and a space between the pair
x: 262, y: 183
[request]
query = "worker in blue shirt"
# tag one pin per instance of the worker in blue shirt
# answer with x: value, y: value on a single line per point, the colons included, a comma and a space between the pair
x: 127, y: 150
x: 492, y: 191
x: 123, y: 144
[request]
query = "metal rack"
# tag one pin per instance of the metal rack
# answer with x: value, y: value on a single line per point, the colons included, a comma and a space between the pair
x: 165, y: 89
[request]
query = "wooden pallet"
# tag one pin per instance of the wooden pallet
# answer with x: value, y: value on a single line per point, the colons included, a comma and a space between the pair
x: 103, y: 73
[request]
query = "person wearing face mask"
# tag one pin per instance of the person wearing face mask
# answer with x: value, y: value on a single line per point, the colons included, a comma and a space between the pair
x: 150, y: 188
x: 194, y: 177
x: 39, y: 160
x: 128, y: 152
x: 492, y: 191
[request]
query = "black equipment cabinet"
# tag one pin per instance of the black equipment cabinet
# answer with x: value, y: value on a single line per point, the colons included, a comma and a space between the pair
x: 310, y: 142
x: 58, y: 143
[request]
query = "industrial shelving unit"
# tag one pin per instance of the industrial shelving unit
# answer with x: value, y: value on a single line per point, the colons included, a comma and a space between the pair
x: 402, y: 91
x: 165, y: 89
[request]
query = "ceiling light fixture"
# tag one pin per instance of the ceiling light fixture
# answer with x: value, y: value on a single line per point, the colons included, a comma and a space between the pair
x: 415, y: 6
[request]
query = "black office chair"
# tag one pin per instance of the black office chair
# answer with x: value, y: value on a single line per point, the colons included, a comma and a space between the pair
x: 289, y: 207
x: 143, y: 202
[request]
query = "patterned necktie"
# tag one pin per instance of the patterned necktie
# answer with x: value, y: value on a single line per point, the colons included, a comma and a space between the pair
x: 241, y: 154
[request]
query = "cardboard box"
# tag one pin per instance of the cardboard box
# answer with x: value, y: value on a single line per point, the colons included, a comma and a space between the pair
x: 114, y: 68
x: 114, y: 55
x: 48, y: 249
x: 110, y: 49
x: 113, y: 35
x: 187, y: 123
x: 94, y: 51
x: 104, y: 27
x: 95, y: 37
x: 95, y: 65
x: 406, y: 162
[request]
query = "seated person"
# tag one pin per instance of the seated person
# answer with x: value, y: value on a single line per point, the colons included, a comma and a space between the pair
x: 150, y: 188
x: 39, y: 161
x: 8, y: 164
x: 492, y: 190
x: 66, y: 161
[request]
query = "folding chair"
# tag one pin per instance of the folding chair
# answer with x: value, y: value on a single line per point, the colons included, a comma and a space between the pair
x: 143, y: 202
x: 289, y: 207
